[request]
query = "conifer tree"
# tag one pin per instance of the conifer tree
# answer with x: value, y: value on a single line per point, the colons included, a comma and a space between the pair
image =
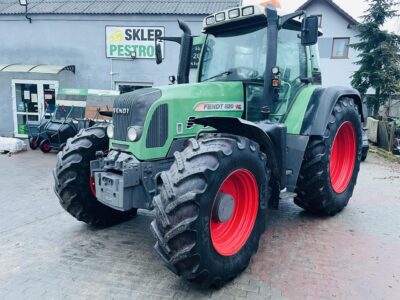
x: 379, y: 58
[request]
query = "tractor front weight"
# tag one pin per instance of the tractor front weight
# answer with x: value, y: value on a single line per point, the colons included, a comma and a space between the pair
x: 123, y: 182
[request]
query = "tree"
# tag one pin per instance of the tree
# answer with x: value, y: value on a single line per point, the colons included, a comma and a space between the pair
x: 379, y: 54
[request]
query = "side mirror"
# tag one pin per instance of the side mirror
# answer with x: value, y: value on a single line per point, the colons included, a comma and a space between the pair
x: 172, y: 79
x: 309, y: 33
x: 158, y: 53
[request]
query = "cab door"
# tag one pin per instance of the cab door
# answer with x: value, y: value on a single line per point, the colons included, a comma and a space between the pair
x: 293, y: 65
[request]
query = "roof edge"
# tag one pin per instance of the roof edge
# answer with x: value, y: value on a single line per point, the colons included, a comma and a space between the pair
x: 104, y: 14
x: 336, y: 7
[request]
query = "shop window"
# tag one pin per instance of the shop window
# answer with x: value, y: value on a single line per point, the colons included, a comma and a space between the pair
x: 49, y: 98
x: 27, y: 98
x: 340, y: 48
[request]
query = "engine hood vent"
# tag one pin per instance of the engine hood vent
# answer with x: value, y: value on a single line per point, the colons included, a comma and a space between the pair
x: 131, y: 109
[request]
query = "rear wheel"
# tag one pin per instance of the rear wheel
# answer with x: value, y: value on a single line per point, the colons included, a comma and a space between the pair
x: 74, y: 185
x: 33, y: 143
x: 211, y: 209
x: 331, y: 162
x: 45, y: 146
x: 364, y: 155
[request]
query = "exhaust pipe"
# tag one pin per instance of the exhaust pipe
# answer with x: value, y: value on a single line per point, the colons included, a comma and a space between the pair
x: 185, y: 53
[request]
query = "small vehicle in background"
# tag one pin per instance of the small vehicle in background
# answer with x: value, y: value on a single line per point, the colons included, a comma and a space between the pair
x: 365, y: 145
x: 63, y: 125
x: 36, y: 130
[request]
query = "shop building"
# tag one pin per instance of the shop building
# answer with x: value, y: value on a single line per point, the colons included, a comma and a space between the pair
x: 99, y: 45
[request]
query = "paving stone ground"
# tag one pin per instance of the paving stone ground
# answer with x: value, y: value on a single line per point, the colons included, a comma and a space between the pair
x: 46, y: 254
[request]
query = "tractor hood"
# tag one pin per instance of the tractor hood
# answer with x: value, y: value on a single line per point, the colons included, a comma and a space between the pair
x: 166, y: 113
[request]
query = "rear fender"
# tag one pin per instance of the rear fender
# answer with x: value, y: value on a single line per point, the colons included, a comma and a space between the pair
x: 321, y: 105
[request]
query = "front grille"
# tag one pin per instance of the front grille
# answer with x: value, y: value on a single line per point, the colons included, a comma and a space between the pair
x: 121, y: 122
x: 158, y: 129
x: 136, y: 104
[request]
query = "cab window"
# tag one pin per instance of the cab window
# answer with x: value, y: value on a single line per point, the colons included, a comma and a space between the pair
x: 292, y: 62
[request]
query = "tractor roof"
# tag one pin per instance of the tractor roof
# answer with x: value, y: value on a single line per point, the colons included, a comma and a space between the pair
x: 250, y: 14
x: 234, y: 15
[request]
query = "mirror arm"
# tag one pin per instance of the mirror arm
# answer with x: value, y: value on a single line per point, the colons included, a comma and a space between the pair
x: 303, y: 25
x: 170, y: 39
x: 288, y: 17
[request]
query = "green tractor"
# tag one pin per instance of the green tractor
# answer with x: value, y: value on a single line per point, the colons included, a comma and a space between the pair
x: 210, y: 158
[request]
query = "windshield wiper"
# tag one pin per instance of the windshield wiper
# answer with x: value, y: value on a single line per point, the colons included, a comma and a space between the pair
x: 218, y: 75
x: 259, y: 78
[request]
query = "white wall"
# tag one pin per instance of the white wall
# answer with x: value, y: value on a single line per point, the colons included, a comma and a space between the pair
x: 80, y: 40
x: 335, y: 71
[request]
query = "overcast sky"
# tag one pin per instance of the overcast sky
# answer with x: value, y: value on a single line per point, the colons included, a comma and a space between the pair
x: 355, y: 8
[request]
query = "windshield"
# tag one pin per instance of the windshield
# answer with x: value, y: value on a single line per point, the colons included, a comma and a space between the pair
x: 235, y: 55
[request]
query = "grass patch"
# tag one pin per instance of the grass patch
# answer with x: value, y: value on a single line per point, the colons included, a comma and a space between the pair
x: 384, y: 153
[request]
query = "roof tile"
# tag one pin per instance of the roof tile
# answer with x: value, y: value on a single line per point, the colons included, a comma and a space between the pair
x: 72, y: 7
x: 102, y: 7
x: 167, y: 7
x: 45, y: 7
x: 131, y: 7
x: 175, y: 7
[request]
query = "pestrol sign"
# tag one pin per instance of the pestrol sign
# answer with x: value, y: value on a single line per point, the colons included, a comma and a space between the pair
x: 125, y: 42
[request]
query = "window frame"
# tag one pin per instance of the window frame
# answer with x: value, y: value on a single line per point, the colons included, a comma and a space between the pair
x: 255, y: 27
x: 346, y: 56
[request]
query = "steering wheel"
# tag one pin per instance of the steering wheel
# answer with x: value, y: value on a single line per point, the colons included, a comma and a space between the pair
x: 249, y: 72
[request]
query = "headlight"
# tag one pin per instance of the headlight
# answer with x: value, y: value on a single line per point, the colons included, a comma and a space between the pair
x: 110, y: 131
x: 210, y: 20
x: 247, y: 11
x: 220, y: 17
x: 133, y: 134
x: 234, y: 13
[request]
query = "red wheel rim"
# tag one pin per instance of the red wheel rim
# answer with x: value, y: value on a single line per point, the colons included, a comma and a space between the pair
x: 34, y: 144
x: 93, y: 186
x: 343, y: 157
x: 230, y: 236
x: 46, y: 147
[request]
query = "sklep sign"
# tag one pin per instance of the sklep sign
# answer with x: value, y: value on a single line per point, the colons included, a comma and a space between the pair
x: 125, y: 42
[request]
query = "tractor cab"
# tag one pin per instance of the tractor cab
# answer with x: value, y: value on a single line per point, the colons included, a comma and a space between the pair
x: 273, y: 56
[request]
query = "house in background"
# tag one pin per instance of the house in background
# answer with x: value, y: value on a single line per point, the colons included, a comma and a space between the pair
x: 337, y: 58
x: 338, y: 27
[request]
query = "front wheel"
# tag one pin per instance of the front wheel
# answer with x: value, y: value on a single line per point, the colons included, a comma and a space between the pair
x: 211, y: 209
x: 75, y: 187
x: 331, y: 162
x: 33, y: 143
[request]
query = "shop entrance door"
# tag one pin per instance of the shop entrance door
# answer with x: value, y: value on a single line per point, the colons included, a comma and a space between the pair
x: 32, y: 100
